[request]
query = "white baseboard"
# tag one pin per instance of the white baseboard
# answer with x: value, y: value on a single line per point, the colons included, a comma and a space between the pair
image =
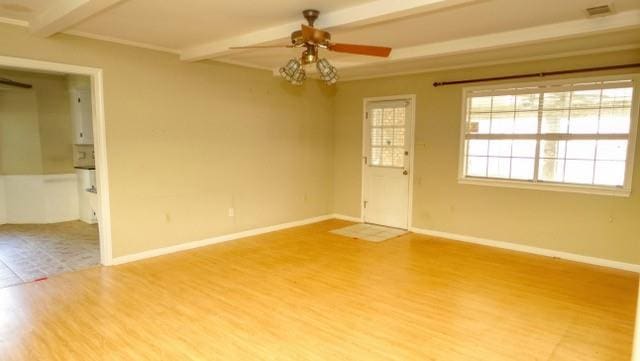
x: 346, y: 218
x: 219, y: 239
x: 515, y: 247
x: 457, y: 237
x: 530, y: 249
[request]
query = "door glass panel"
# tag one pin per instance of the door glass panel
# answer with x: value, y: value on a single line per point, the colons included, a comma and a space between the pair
x: 387, y: 159
x: 398, y: 157
x: 376, y: 137
x: 388, y: 136
x: 376, y: 117
x: 399, y: 116
x: 388, y: 116
x: 376, y: 156
x: 398, y: 137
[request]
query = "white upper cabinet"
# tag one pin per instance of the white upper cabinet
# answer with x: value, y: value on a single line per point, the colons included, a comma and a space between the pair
x: 81, y: 116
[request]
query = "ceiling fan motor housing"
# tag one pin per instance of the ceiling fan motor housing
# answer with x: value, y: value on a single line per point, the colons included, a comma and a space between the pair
x: 297, y: 38
x: 321, y: 38
x: 311, y: 15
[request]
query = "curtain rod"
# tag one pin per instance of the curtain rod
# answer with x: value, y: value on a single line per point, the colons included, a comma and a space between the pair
x: 543, y: 74
x: 10, y: 82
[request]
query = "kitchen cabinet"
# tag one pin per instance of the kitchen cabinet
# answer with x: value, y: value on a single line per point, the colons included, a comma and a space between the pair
x: 81, y: 116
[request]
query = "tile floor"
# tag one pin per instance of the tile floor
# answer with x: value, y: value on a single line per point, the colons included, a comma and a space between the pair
x: 369, y: 232
x: 32, y: 251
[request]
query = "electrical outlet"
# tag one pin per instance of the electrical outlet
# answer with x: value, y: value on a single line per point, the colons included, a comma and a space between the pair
x: 231, y: 212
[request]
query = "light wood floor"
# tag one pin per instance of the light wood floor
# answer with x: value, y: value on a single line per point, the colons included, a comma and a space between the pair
x: 306, y: 294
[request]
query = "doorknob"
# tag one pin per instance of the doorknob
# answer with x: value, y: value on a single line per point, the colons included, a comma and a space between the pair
x: 405, y: 172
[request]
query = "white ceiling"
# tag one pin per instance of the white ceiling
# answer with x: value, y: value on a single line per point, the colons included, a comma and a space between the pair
x: 21, y: 10
x: 481, y: 17
x: 181, y: 24
x: 425, y: 34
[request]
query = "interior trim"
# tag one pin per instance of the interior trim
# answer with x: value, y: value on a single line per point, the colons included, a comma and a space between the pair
x: 347, y: 218
x: 99, y: 136
x: 530, y: 249
x: 213, y: 240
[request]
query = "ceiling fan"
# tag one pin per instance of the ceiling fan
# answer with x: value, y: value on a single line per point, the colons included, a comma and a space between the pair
x: 313, y: 39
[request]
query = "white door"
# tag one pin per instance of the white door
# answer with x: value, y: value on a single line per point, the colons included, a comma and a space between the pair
x: 388, y: 143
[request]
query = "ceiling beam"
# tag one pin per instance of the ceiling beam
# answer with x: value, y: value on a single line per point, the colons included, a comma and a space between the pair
x: 63, y: 14
x: 367, y: 13
x: 558, y: 31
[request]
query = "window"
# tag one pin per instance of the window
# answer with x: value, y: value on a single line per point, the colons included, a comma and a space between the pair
x: 388, y: 131
x: 563, y: 135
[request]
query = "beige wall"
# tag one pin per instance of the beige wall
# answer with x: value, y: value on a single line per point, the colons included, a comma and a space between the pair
x: 35, y: 125
x: 56, y: 131
x: 20, y: 151
x: 187, y: 141
x: 600, y: 226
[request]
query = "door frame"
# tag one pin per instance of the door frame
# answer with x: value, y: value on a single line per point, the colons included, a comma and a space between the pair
x: 99, y: 137
x: 412, y: 111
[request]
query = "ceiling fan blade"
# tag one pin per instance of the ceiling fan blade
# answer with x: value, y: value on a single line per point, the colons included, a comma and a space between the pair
x: 314, y: 35
x: 360, y: 49
x: 261, y: 47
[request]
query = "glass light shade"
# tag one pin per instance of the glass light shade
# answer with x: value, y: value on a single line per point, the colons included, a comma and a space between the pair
x: 293, y: 72
x: 328, y: 72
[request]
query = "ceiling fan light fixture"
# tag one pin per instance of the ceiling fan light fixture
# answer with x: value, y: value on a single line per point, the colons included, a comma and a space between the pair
x: 293, y: 72
x: 328, y: 72
x: 312, y: 39
x: 301, y: 76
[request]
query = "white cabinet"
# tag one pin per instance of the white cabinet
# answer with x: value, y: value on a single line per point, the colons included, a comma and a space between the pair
x: 86, y: 179
x: 81, y: 116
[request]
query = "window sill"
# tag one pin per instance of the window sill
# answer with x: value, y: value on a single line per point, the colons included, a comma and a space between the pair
x: 555, y: 187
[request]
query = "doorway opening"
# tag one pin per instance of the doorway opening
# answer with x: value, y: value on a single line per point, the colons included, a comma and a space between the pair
x: 54, y: 210
x: 387, y: 182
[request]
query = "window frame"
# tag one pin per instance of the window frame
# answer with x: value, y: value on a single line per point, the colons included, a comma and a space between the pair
x: 621, y: 191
